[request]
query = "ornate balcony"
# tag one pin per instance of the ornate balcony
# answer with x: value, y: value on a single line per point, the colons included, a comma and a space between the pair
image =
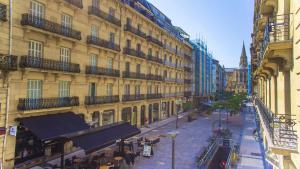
x: 94, y: 70
x: 103, y: 15
x: 187, y: 69
x: 166, y: 95
x: 171, y: 80
x: 134, y: 75
x: 280, y: 129
x: 134, y: 52
x: 49, y: 26
x: 103, y: 43
x: 154, y: 96
x: 180, y: 81
x: 154, y: 59
x: 168, y: 47
x: 135, y: 31
x: 3, y: 11
x: 154, y: 77
x: 127, y: 98
x: 76, y: 3
x: 155, y: 41
x: 8, y: 62
x: 170, y: 64
x: 187, y: 81
x: 48, y: 64
x: 46, y: 103
x: 94, y: 100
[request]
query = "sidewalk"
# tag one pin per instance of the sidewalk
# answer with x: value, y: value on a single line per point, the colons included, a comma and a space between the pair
x: 251, y: 156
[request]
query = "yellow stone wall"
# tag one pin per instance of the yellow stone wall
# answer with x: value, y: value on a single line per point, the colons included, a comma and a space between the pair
x: 80, y: 54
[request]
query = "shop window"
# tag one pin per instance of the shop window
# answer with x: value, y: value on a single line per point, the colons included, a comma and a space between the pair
x: 108, y: 117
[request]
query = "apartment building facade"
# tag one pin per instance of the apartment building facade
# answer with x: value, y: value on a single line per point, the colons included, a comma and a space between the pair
x: 103, y: 60
x: 275, y: 75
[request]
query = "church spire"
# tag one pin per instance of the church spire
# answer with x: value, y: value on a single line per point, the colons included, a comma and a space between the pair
x: 243, y: 58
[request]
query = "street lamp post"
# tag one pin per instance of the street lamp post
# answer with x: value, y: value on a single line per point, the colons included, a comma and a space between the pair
x: 173, y: 136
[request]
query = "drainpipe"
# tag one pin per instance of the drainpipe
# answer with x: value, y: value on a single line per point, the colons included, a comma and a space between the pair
x: 8, y: 89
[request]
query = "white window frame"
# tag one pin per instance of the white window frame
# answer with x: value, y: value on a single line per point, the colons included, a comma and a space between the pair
x: 95, y: 31
x: 64, y: 89
x: 110, y: 63
x: 35, y: 49
x: 109, y: 89
x: 91, y: 85
x: 65, y: 54
x: 34, y: 89
x: 94, y: 60
x: 37, y: 10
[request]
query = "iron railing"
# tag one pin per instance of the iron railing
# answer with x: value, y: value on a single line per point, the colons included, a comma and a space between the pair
x: 187, y: 69
x: 135, y: 31
x: 187, y: 81
x: 154, y: 96
x: 103, y: 43
x: 45, y: 103
x: 8, y: 62
x: 101, y: 14
x: 48, y: 64
x: 154, y: 77
x: 137, y: 97
x: 155, y: 41
x: 170, y: 48
x: 154, y: 59
x: 281, y: 127
x: 93, y: 100
x: 134, y: 75
x: 168, y: 63
x: 169, y: 94
x: 133, y: 52
x: 77, y: 3
x: 167, y: 79
x: 46, y: 25
x: 102, y: 71
x: 180, y: 81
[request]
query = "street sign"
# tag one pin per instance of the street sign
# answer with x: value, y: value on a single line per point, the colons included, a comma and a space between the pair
x: 13, y: 130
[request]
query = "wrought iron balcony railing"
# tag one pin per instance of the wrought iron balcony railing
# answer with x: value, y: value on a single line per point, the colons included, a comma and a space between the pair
x: 281, y: 127
x: 154, y: 59
x: 135, y: 31
x: 77, y: 3
x: 187, y: 69
x: 137, y: 97
x: 103, y: 43
x: 180, y: 81
x: 46, y: 103
x: 173, y: 50
x: 168, y: 79
x: 134, y: 75
x: 167, y: 63
x: 8, y: 62
x: 3, y: 11
x: 48, y: 64
x: 46, y: 25
x: 180, y: 94
x: 169, y: 94
x: 154, y: 96
x: 133, y: 52
x: 102, y: 71
x: 93, y: 100
x: 154, y: 77
x: 101, y: 14
x: 155, y: 41
x: 277, y: 29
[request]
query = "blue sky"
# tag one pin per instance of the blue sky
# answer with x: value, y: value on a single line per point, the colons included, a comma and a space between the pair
x: 225, y: 24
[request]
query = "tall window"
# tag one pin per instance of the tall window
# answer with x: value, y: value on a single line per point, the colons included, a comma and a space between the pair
x: 127, y: 67
x: 128, y: 43
x: 149, y: 89
x: 127, y: 89
x: 34, y: 89
x: 149, y: 70
x: 157, y: 54
x: 150, y: 52
x: 65, y: 54
x: 92, y: 90
x: 35, y: 49
x: 109, y: 90
x: 128, y: 21
x: 156, y: 89
x: 137, y: 90
x: 110, y: 63
x: 94, y: 60
x: 64, y: 89
x: 66, y: 23
x: 139, y: 27
x: 108, y: 117
x: 112, y: 37
x: 94, y: 31
x: 138, y: 47
x: 112, y: 11
x: 37, y: 10
x: 138, y: 68
x: 95, y: 3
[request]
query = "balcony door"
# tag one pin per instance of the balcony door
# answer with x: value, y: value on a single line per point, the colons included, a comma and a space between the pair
x: 65, y: 57
x: 127, y: 67
x: 95, y: 3
x: 35, y: 51
x: 66, y: 23
x: 34, y: 89
x: 64, y: 89
x: 94, y: 31
x: 92, y: 90
x: 111, y: 38
x: 37, y: 11
x: 109, y: 90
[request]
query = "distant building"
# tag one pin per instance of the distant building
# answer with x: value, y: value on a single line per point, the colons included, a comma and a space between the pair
x: 237, y: 78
